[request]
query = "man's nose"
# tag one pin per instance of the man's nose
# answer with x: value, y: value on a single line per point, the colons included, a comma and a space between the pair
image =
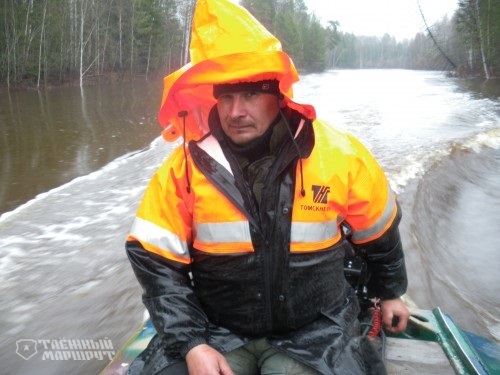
x: 237, y: 108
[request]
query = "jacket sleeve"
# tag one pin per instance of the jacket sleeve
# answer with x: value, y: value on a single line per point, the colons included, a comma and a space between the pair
x: 158, y: 248
x: 374, y: 215
x: 168, y: 295
x: 386, y: 263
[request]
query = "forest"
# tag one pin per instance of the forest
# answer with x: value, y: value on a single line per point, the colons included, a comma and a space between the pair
x: 47, y: 43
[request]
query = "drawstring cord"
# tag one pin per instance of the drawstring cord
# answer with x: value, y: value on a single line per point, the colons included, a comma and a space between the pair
x: 183, y: 114
x: 302, y: 190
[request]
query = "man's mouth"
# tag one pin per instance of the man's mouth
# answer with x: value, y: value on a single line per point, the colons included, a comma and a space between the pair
x: 239, y: 126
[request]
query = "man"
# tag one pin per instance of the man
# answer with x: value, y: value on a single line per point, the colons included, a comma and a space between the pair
x: 240, y: 238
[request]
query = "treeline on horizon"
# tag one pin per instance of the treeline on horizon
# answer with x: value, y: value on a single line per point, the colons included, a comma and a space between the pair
x: 56, y: 42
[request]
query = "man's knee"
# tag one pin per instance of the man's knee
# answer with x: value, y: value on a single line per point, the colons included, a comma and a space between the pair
x: 242, y: 361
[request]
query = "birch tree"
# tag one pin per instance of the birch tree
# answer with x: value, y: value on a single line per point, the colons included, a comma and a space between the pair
x: 40, y: 47
x: 480, y: 36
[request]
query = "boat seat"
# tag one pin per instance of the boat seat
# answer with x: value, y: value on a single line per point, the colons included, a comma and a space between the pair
x: 409, y: 356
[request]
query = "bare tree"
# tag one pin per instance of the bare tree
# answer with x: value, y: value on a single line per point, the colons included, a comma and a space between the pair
x: 132, y: 39
x: 40, y: 48
x: 481, y: 39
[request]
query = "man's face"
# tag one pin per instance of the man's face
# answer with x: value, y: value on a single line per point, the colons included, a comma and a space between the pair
x: 246, y: 115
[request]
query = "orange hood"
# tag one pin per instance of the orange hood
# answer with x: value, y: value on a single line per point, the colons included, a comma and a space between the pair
x: 228, y: 45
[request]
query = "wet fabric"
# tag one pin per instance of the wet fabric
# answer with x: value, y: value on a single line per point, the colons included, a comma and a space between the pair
x: 307, y: 309
x: 259, y: 358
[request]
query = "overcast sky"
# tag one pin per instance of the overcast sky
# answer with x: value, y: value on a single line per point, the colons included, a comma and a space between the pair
x: 399, y: 18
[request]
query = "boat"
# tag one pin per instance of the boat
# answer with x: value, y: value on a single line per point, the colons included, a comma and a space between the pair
x: 431, y: 344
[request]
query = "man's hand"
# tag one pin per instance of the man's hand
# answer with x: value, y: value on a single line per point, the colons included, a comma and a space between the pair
x: 395, y: 315
x: 205, y: 360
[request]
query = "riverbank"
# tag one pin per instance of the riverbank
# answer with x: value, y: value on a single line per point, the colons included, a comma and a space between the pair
x: 102, y: 79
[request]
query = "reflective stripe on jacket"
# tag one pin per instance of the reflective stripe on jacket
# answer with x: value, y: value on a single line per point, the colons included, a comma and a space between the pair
x: 343, y: 183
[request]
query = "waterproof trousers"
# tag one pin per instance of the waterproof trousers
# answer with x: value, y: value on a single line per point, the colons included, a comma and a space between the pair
x: 255, y: 358
x: 259, y: 358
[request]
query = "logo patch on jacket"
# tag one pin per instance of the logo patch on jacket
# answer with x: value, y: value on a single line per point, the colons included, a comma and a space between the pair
x: 320, y: 194
x: 319, y: 198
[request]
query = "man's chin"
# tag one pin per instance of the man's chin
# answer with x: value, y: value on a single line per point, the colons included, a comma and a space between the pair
x: 240, y: 142
x: 242, y: 139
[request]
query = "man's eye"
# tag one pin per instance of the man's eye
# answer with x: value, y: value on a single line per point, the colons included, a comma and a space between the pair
x: 250, y: 94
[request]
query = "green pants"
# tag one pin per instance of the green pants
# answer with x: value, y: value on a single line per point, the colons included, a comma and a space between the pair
x: 259, y: 358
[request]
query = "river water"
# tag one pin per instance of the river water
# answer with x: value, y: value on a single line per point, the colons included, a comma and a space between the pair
x: 74, y: 163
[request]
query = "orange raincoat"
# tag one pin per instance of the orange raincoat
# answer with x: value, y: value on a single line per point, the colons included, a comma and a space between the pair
x: 234, y: 48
